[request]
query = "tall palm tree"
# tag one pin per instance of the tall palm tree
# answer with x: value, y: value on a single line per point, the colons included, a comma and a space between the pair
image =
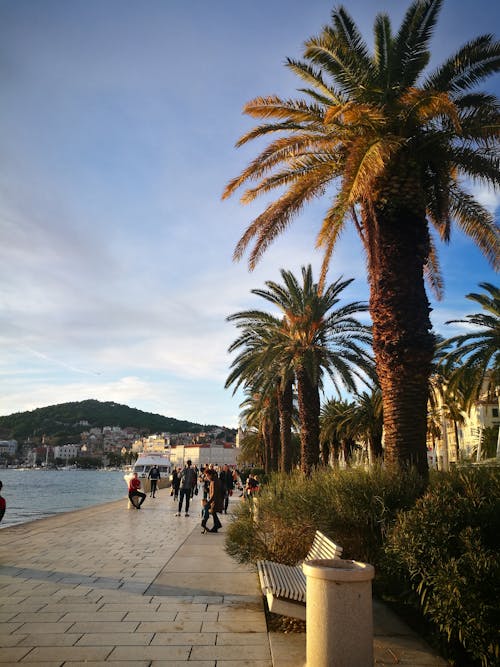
x: 390, y: 150
x: 310, y: 338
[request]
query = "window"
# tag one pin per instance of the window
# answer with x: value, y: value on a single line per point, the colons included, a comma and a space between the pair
x: 494, y: 412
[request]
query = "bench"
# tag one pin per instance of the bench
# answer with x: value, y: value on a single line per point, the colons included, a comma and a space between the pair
x: 285, y: 585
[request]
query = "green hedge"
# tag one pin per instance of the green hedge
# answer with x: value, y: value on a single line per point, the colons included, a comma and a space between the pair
x: 447, y: 547
x: 354, y: 507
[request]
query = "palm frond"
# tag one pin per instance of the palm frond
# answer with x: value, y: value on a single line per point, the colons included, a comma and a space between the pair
x: 410, y: 53
x: 477, y: 223
x: 314, y: 77
x: 475, y: 60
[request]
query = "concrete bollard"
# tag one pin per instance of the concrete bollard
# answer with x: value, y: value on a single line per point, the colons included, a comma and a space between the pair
x: 339, y: 618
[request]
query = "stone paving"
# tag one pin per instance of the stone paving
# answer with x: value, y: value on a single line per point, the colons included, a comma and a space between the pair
x: 115, y: 587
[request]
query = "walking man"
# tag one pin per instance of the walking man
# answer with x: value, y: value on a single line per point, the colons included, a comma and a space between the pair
x: 227, y: 483
x: 188, y: 482
x: 154, y: 476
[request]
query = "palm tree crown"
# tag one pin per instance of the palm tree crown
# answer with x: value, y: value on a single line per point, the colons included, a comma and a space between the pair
x: 391, y: 148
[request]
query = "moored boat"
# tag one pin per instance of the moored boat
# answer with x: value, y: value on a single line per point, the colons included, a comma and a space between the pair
x: 145, y: 461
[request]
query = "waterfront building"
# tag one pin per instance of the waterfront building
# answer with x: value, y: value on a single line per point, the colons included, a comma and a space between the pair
x: 8, y: 447
x: 69, y: 451
x: 457, y: 440
x: 202, y: 454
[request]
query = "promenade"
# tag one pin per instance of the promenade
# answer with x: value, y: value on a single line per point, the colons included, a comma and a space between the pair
x: 115, y: 587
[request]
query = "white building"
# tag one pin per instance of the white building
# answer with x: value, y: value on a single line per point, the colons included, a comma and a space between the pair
x: 8, y: 447
x: 66, y: 451
x: 202, y: 454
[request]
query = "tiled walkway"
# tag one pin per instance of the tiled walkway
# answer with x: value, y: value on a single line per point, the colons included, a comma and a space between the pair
x: 110, y: 586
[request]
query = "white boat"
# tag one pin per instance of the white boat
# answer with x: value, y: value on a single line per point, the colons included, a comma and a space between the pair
x: 145, y: 461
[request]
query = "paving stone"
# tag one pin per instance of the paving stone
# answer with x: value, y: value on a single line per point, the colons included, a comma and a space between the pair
x: 241, y: 638
x: 147, y: 615
x: 103, y: 626
x: 65, y: 653
x: 250, y: 652
x: 184, y: 639
x: 39, y: 627
x: 167, y: 653
x: 173, y: 626
x: 115, y: 639
x: 66, y: 639
x: 13, y: 654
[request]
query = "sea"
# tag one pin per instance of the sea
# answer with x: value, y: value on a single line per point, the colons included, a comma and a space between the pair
x: 33, y: 494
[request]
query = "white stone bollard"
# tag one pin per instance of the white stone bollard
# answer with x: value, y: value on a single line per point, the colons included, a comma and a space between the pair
x: 339, y: 620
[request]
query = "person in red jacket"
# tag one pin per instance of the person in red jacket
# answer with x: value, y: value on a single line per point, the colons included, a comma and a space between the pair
x: 133, y: 491
x: 2, y: 503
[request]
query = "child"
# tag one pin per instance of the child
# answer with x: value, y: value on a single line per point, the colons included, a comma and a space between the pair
x: 205, y: 508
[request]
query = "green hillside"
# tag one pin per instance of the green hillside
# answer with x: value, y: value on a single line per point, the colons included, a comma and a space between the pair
x: 63, y: 419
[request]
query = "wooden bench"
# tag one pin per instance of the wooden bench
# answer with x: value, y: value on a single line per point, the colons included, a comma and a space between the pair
x: 285, y: 585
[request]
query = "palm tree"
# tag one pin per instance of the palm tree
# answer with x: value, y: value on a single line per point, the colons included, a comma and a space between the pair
x: 393, y: 150
x: 473, y: 362
x: 258, y: 367
x: 260, y: 414
x: 366, y: 421
x: 336, y: 434
x: 310, y: 338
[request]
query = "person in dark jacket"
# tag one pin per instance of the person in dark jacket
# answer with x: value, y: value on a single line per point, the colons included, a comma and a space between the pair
x: 227, y: 482
x: 188, y: 482
x: 214, y: 504
x: 154, y: 476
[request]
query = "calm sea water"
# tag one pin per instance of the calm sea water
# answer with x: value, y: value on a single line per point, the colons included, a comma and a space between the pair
x: 34, y: 494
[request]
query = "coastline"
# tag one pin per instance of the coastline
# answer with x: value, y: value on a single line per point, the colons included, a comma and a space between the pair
x: 66, y: 515
x: 33, y: 495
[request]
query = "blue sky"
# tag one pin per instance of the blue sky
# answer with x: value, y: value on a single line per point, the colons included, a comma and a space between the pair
x: 117, y: 129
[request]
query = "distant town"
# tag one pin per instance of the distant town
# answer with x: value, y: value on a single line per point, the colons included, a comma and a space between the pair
x: 114, y: 446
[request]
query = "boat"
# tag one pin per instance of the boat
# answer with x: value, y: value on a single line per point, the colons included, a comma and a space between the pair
x: 145, y: 461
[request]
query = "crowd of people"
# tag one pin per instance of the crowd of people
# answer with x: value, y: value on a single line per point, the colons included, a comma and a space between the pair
x: 216, y: 484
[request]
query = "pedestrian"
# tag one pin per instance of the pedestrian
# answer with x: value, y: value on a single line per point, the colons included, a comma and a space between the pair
x: 154, y: 476
x: 3, y: 504
x: 133, y: 491
x: 227, y: 483
x: 251, y: 486
x: 214, y: 504
x: 206, y: 483
x: 175, y: 480
x: 187, y: 483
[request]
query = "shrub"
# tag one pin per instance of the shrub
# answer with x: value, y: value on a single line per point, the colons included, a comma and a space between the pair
x: 354, y: 507
x: 447, y: 547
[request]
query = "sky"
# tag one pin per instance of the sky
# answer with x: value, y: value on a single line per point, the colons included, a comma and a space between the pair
x: 118, y: 124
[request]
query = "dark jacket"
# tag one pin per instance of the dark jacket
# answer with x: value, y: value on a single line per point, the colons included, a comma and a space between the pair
x: 216, y: 499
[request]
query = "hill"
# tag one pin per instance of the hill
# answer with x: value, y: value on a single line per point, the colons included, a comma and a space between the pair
x: 65, y: 419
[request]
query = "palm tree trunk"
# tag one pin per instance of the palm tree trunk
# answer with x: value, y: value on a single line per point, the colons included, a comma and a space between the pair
x: 267, y: 447
x: 402, y: 339
x: 285, y: 408
x: 457, y: 443
x: 274, y: 445
x: 309, y: 409
x: 375, y: 448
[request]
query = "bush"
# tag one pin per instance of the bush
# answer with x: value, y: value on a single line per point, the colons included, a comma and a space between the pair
x: 447, y: 547
x: 354, y: 507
